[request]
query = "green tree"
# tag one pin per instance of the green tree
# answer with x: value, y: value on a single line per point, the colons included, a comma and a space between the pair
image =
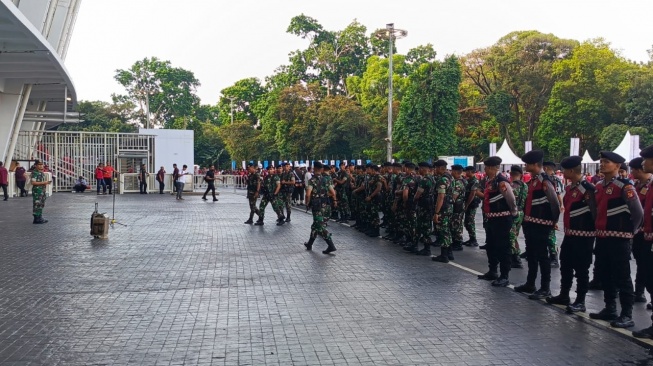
x: 169, y: 91
x: 244, y: 94
x: 429, y: 111
x: 100, y: 116
x: 341, y: 130
x: 639, y: 100
x: 612, y: 135
x: 240, y: 140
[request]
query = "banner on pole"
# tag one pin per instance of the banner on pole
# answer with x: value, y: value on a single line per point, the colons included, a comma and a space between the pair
x: 574, y: 146
x: 528, y: 146
x: 493, y: 149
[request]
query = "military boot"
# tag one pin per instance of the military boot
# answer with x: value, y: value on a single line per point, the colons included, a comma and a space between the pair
x: 309, y: 243
x: 515, y: 261
x: 426, y: 250
x: 540, y: 294
x: 554, y: 260
x: 443, y: 257
x: 288, y: 216
x: 639, y: 293
x: 373, y: 232
x: 330, y: 248
x: 578, y: 305
x: 450, y: 253
x: 528, y: 288
x: 39, y: 220
x: 489, y: 276
x: 561, y: 299
x: 457, y: 246
x: 259, y: 222
x: 623, y: 321
x: 609, y: 313
x: 471, y: 243
x: 250, y: 221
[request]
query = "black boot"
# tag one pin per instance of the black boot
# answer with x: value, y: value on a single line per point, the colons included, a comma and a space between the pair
x: 489, y: 276
x: 259, y: 222
x: 373, y: 232
x: 554, y: 260
x: 411, y: 247
x: 309, y: 243
x: 39, y: 220
x: 501, y: 282
x: 426, y: 251
x: 250, y: 221
x: 515, y: 261
x: 561, y: 299
x: 471, y: 243
x: 639, y: 293
x: 450, y: 253
x: 457, y: 246
x: 595, y: 284
x: 528, y: 288
x: 288, y: 216
x: 578, y: 305
x: 540, y: 294
x: 281, y: 220
x: 443, y: 257
x: 330, y: 248
x: 609, y: 313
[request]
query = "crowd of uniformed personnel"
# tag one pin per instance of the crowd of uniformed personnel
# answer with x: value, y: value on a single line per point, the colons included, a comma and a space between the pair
x: 603, y: 223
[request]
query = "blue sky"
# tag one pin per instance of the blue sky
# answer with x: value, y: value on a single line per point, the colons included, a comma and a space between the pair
x: 225, y: 41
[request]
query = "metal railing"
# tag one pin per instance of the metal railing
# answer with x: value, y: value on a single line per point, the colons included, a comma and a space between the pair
x: 12, y: 187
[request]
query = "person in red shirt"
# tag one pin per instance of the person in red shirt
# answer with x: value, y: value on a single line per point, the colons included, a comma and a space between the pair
x: 108, y: 177
x: 99, y: 176
x: 4, y: 180
x: 647, y: 165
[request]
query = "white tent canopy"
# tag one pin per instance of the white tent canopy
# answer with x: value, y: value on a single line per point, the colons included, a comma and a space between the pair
x: 587, y: 159
x: 507, y: 156
x: 629, y: 147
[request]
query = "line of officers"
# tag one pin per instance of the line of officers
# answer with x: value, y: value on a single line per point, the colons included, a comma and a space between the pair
x: 605, y: 222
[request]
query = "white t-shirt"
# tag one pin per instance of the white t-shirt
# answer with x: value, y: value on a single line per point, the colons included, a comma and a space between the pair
x: 308, y: 176
x: 182, y: 176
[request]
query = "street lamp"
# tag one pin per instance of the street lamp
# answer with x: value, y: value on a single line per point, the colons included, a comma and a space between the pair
x: 231, y: 104
x: 390, y: 33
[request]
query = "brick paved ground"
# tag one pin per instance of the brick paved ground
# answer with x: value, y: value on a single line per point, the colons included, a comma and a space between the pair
x: 187, y: 283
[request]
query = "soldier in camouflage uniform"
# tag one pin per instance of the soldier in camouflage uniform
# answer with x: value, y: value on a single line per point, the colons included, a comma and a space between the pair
x: 287, y: 187
x: 443, y: 211
x: 253, y: 190
x: 520, y: 191
x: 342, y: 183
x: 278, y: 202
x: 394, y: 181
x: 271, y: 188
x: 407, y: 217
x: 326, y: 173
x: 318, y: 191
x: 425, y: 205
x: 38, y: 192
x: 549, y: 168
x: 458, y: 212
x: 472, y: 202
x: 358, y: 199
x: 373, y: 199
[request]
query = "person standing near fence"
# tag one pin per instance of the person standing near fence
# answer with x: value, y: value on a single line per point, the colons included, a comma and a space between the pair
x: 38, y: 192
x: 108, y: 172
x: 4, y: 180
x: 20, y: 179
x: 175, y: 177
x: 181, y: 181
x: 160, y: 177
x: 209, y: 178
x: 142, y: 180
x: 99, y: 176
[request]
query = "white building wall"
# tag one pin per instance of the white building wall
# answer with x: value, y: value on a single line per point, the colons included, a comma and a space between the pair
x: 35, y: 10
x: 172, y: 147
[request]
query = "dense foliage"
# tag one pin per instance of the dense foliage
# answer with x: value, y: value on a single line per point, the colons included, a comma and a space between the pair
x: 331, y: 100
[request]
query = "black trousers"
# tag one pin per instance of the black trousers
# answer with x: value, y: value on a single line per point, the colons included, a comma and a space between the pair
x: 161, y: 186
x: 575, y: 259
x: 613, y: 260
x: 648, y: 272
x: 298, y: 194
x: 21, y: 186
x: 537, y: 253
x: 210, y: 188
x: 498, y: 247
x: 107, y: 183
x: 4, y: 190
x: 142, y: 186
x: 641, y: 248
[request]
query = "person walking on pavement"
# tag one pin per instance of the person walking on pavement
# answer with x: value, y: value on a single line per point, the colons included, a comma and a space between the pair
x: 209, y: 178
x: 318, y: 191
x: 500, y: 209
x: 541, y: 215
x: 640, y: 246
x: 253, y: 190
x: 160, y: 177
x: 580, y: 232
x: 619, y: 216
x: 175, y: 177
x: 287, y: 188
x: 21, y: 179
x: 181, y: 181
x: 4, y: 181
x: 39, y: 183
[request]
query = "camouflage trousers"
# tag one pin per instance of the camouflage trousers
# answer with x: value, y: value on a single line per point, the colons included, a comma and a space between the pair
x: 457, y: 219
x: 443, y: 230
x: 277, y: 206
x: 286, y: 199
x: 343, y: 203
x: 319, y: 227
x: 470, y: 223
x: 514, y: 233
x: 252, y: 205
x: 372, y: 214
x: 38, y: 202
x: 424, y: 225
x: 552, y: 243
x: 408, y: 223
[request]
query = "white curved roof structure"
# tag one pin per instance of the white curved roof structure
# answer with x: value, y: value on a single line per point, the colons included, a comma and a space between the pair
x: 629, y: 147
x: 587, y: 159
x: 507, y: 156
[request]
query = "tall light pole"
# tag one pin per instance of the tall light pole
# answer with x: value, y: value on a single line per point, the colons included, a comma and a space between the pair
x: 390, y: 33
x: 231, y: 105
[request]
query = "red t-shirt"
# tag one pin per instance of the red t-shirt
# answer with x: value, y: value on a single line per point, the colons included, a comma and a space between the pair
x: 108, y: 172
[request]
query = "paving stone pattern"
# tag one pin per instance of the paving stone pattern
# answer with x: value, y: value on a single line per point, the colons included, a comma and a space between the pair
x: 186, y: 282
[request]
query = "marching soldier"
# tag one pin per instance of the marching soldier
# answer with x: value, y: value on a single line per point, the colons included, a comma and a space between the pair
x: 458, y: 214
x: 647, y: 228
x: 540, y: 217
x: 640, y: 246
x: 326, y: 172
x: 471, y: 204
x: 443, y: 211
x: 500, y: 210
x: 619, y: 216
x: 270, y: 190
x: 253, y: 189
x: 318, y: 191
x: 520, y: 191
x: 287, y: 187
x: 580, y: 232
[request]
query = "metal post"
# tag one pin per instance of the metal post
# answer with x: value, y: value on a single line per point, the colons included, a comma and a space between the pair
x: 147, y: 106
x: 18, y: 121
x: 390, y: 28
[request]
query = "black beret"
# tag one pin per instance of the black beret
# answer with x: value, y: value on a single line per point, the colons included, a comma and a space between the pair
x: 440, y: 163
x: 571, y: 162
x: 613, y: 157
x: 387, y: 163
x: 549, y: 163
x: 284, y: 164
x: 533, y: 157
x: 636, y: 163
x: 406, y: 162
x: 343, y: 163
x: 647, y: 152
x: 376, y: 168
x: 409, y: 165
x: 470, y: 169
x: 396, y: 165
x: 516, y: 168
x: 327, y: 166
x: 492, y: 161
x: 457, y: 167
x: 318, y: 165
x: 623, y: 166
x: 424, y: 165
x: 251, y: 164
